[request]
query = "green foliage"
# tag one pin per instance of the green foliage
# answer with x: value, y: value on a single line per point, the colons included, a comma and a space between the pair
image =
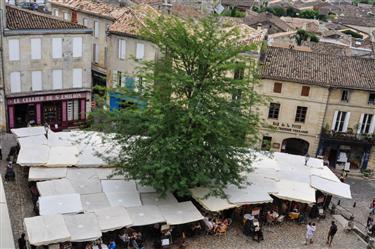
x: 198, y: 119
x: 233, y: 12
x: 277, y: 11
x: 312, y: 14
x: 290, y: 11
x: 303, y: 35
x: 352, y: 33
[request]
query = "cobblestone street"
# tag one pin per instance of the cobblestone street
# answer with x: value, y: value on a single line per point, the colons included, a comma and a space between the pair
x: 363, y: 192
x: 18, y: 199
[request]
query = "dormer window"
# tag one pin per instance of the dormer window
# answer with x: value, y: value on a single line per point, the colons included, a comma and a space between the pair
x: 345, y: 95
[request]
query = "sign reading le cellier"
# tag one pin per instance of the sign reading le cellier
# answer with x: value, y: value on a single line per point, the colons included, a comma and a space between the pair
x: 36, y: 99
x: 289, y: 127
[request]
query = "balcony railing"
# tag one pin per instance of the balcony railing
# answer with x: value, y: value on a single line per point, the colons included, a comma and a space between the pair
x: 349, y: 136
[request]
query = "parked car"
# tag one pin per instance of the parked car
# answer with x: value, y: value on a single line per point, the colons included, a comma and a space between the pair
x: 28, y: 5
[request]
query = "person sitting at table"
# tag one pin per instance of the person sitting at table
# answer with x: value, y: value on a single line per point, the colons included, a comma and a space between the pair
x: 271, y: 217
x: 137, y: 241
x: 258, y: 233
x: 124, y: 239
x: 248, y: 228
x: 222, y: 227
x: 112, y: 245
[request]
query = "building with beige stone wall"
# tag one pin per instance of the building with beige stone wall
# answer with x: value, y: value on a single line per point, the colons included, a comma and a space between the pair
x: 47, y: 70
x: 319, y: 104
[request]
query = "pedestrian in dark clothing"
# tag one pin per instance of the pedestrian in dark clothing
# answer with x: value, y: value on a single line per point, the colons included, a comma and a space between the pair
x: 22, y: 242
x: 331, y: 233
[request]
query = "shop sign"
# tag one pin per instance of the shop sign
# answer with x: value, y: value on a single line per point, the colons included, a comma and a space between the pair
x: 276, y: 145
x: 36, y: 99
x: 281, y: 126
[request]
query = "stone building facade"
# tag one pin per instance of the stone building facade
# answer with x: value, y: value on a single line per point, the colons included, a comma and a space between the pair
x: 47, y: 70
x: 320, y: 104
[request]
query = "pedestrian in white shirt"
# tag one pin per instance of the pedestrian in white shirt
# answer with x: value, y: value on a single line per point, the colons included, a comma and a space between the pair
x: 310, y: 230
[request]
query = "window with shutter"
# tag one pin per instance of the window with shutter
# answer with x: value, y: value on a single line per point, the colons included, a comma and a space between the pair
x: 305, y: 91
x: 56, y: 48
x: 77, y: 77
x: 121, y: 49
x: 96, y: 29
x: 366, y: 123
x: 57, y: 79
x: 36, y: 48
x: 36, y: 80
x: 140, y: 51
x: 15, y: 82
x: 277, y: 87
x: 340, y: 121
x: 77, y: 47
x: 14, y: 49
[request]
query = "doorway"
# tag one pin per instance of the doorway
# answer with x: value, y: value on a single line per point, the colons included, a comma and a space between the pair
x: 23, y: 114
x: 51, y: 113
x: 295, y: 146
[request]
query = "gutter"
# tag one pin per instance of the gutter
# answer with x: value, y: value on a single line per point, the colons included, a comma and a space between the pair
x: 9, y: 32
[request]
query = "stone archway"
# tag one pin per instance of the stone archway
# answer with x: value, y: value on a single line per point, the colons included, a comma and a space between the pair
x: 295, y: 146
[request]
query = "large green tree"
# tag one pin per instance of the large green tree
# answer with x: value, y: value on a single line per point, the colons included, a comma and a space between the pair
x: 200, y: 118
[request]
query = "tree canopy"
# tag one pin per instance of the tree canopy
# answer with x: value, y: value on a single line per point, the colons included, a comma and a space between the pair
x: 200, y: 117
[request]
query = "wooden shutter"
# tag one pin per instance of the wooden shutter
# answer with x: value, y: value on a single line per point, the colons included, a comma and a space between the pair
x: 15, y: 82
x: 305, y: 91
x: 140, y: 51
x: 56, y: 48
x: 334, y: 120
x: 372, y: 125
x: 346, y: 122
x: 36, y: 49
x: 360, y: 123
x: 277, y: 86
x: 77, y: 77
x: 36, y: 80
x: 14, y: 49
x: 77, y: 47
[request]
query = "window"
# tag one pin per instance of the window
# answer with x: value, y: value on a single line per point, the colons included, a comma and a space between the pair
x: 277, y: 87
x: 266, y: 143
x: 95, y: 52
x: 366, y: 124
x: 77, y: 77
x: 57, y: 79
x: 301, y: 114
x: 345, y: 95
x: 371, y: 98
x: 56, y: 48
x: 73, y: 110
x: 66, y: 16
x: 121, y: 49
x: 14, y: 50
x: 56, y: 12
x: 36, y: 49
x: 36, y: 80
x: 140, y: 51
x: 274, y: 110
x: 77, y: 47
x: 85, y: 22
x: 340, y: 121
x: 305, y: 91
x: 96, y: 29
x: 15, y: 82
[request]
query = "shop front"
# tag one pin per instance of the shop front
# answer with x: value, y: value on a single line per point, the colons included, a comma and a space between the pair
x: 60, y: 111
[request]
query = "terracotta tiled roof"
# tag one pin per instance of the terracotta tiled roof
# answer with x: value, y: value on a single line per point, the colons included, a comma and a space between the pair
x: 150, y: 2
x: 185, y: 11
x: 238, y: 3
x: 96, y: 8
x: 132, y: 20
x: 318, y: 69
x: 25, y: 19
x: 254, y: 19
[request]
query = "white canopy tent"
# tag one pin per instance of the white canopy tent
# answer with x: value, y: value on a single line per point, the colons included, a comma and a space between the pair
x: 156, y: 200
x: 112, y: 218
x: 55, y: 187
x: 247, y: 195
x: 86, y: 185
x: 28, y: 156
x: 145, y: 189
x: 82, y: 227
x: 145, y: 215
x: 29, y: 131
x: 211, y: 203
x: 62, y: 156
x: 43, y: 173
x: 46, y: 230
x: 95, y: 201
x: 295, y: 191
x: 60, y: 204
x: 124, y: 199
x: 114, y: 186
x: 330, y: 187
x: 180, y: 213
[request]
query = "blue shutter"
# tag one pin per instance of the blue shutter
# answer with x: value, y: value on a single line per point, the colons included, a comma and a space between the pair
x: 130, y: 83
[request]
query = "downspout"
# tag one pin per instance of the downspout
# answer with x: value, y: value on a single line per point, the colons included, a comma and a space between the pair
x: 2, y: 25
x: 323, y: 124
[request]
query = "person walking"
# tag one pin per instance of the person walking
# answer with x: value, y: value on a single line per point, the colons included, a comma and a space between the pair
x: 22, y: 242
x: 310, y: 230
x: 331, y: 233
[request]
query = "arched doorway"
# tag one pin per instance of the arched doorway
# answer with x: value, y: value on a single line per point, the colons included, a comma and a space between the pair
x: 295, y: 146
